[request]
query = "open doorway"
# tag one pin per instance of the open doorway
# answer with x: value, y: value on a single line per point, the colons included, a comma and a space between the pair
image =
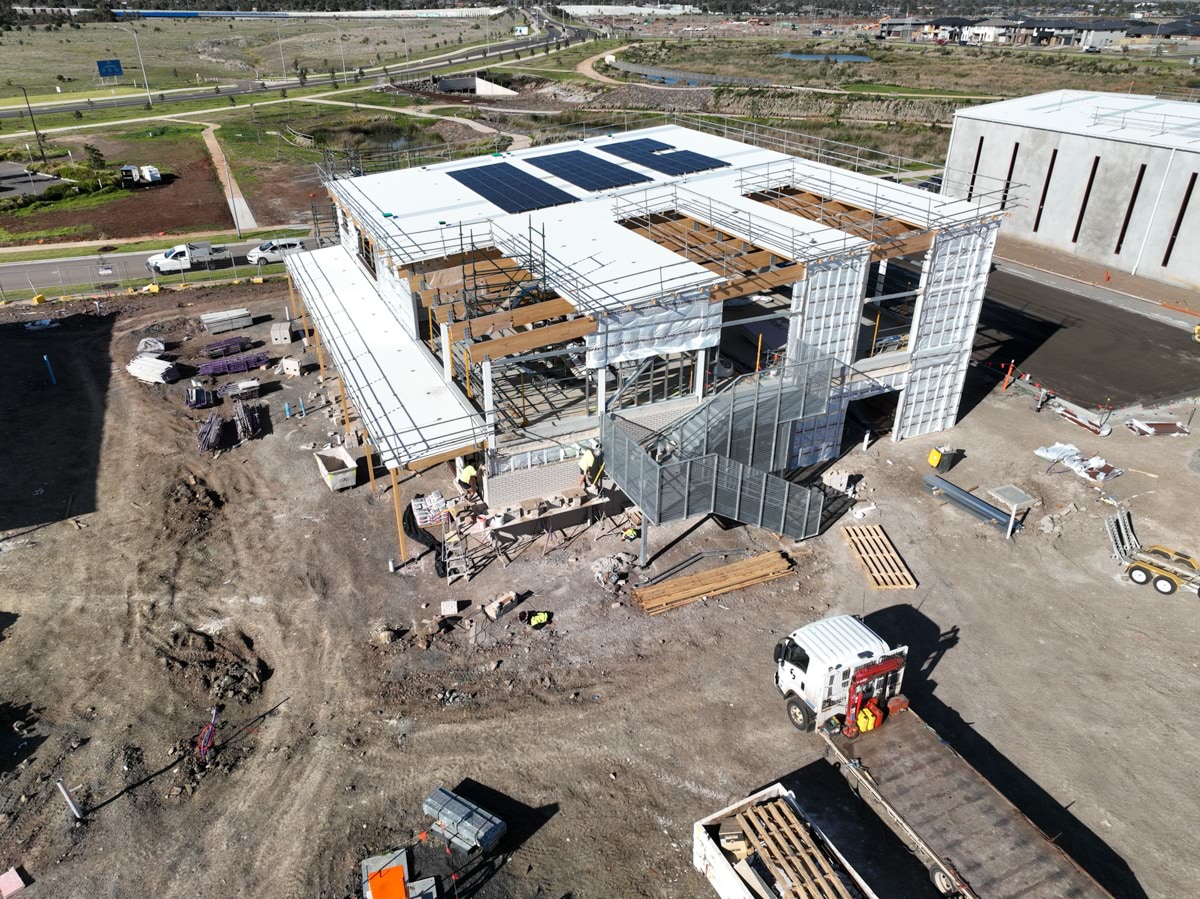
x: 875, y: 415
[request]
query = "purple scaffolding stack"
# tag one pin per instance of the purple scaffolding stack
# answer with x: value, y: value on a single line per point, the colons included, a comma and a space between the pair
x: 227, y: 347
x: 232, y: 365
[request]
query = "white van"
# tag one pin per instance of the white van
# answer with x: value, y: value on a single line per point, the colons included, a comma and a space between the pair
x: 274, y: 250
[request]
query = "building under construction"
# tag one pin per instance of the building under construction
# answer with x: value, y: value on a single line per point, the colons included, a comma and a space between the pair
x: 705, y: 305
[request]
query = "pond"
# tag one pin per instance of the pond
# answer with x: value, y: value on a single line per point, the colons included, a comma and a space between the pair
x: 375, y: 135
x: 821, y: 57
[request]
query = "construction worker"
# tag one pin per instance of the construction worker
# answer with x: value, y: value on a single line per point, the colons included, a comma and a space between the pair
x: 468, y: 481
x: 589, y: 468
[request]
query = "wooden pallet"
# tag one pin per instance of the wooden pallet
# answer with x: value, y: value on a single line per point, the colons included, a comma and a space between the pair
x: 681, y: 591
x: 884, y: 568
x: 791, y: 852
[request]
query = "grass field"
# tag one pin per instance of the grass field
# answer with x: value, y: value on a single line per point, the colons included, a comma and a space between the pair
x: 179, y: 51
x: 923, y: 70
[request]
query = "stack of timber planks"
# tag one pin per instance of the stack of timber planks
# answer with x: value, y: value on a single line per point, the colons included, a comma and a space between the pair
x: 681, y: 591
x: 800, y: 866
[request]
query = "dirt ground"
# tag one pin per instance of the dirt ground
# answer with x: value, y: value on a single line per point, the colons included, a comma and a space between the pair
x: 190, y: 200
x: 140, y: 585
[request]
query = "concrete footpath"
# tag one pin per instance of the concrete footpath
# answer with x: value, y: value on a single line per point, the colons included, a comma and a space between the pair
x: 1167, y: 303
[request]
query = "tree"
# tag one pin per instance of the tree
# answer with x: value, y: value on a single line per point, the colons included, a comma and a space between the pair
x: 77, y: 114
x: 283, y: 93
x: 303, y: 76
x: 95, y: 159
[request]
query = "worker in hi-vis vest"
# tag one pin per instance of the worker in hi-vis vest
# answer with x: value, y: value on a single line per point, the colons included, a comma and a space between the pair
x: 468, y: 481
x: 589, y: 469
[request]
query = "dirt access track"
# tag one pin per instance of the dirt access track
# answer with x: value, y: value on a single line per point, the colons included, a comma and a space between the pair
x: 140, y: 585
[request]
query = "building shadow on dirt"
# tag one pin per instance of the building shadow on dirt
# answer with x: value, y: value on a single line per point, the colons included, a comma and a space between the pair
x: 928, y: 643
x: 1005, y: 334
x: 51, y: 436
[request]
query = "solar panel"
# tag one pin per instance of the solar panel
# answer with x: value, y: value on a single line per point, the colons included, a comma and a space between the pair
x: 510, y: 188
x: 649, y: 153
x: 587, y: 171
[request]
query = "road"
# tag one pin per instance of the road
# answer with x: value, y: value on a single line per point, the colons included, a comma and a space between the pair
x: 554, y: 33
x: 51, y: 274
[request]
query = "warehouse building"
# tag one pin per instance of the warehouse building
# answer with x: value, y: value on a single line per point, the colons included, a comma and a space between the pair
x: 1110, y: 178
x: 704, y: 308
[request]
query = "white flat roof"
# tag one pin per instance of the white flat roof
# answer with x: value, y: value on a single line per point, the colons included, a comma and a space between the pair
x: 1131, y: 118
x: 600, y: 265
x: 409, y: 410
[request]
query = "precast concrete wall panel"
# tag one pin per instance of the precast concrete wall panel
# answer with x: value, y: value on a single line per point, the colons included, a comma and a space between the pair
x: 1053, y: 209
x: 829, y: 301
x: 953, y: 282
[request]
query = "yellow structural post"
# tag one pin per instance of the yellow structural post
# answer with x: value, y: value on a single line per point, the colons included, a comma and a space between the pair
x: 467, y: 369
x: 291, y: 296
x: 399, y: 517
x: 758, y: 358
x: 370, y: 460
x: 345, y: 405
x: 875, y: 336
x: 304, y: 317
x: 320, y: 352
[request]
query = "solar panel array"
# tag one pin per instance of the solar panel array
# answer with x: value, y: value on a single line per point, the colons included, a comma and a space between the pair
x: 649, y: 153
x: 587, y: 171
x: 509, y: 188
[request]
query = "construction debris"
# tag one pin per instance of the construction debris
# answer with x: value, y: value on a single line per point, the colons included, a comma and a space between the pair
x: 208, y: 438
x: 681, y: 591
x: 1090, y: 468
x: 153, y: 369
x: 611, y: 572
x: 247, y: 419
x: 968, y: 502
x: 199, y: 398
x: 151, y: 345
x: 1076, y: 416
x: 877, y: 556
x: 1158, y: 428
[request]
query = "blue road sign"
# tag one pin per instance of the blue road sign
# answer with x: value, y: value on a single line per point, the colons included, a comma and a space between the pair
x: 109, y: 68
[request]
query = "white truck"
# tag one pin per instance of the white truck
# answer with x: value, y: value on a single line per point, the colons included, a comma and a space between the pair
x: 185, y: 256
x: 841, y: 678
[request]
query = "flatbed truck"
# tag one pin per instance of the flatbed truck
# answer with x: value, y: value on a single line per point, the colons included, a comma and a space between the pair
x: 765, y: 845
x: 843, y: 680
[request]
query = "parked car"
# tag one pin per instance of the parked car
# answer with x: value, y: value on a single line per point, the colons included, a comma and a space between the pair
x: 1091, y: 49
x: 933, y: 184
x: 273, y: 251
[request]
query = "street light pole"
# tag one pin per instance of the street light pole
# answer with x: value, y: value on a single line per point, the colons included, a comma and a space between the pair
x: 138, y: 46
x: 282, y: 64
x: 36, y: 136
x: 341, y: 50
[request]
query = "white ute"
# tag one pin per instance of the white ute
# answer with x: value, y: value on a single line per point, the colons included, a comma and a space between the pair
x: 273, y: 251
x: 185, y: 256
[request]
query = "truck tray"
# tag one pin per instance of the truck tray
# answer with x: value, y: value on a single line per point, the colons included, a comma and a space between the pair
x: 995, y: 849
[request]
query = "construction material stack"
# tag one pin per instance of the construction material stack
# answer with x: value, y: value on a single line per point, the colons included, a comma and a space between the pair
x: 682, y: 591
x: 464, y: 824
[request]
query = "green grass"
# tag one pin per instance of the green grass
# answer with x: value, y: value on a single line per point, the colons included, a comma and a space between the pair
x: 44, y: 234
x: 176, y: 51
x: 140, y: 246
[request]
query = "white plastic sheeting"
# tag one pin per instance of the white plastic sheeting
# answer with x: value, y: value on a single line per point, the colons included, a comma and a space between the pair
x: 655, y: 331
x: 953, y: 282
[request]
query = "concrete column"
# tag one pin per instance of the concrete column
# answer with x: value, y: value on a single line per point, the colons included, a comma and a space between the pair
x: 601, y: 388
x: 489, y: 406
x: 701, y: 356
x: 447, y: 359
x: 879, y: 277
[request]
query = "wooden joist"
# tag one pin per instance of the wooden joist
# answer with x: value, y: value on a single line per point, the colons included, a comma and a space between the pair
x: 527, y: 341
x: 529, y: 314
x: 760, y: 283
x: 880, y: 562
x: 680, y: 591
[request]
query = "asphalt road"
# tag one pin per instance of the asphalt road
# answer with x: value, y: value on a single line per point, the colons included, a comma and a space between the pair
x: 53, y: 273
x: 14, y: 180
x: 553, y: 33
x: 1090, y: 352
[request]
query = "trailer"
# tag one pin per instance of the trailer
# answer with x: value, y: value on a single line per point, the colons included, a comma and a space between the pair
x: 1167, y: 570
x: 765, y: 846
x: 842, y: 678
